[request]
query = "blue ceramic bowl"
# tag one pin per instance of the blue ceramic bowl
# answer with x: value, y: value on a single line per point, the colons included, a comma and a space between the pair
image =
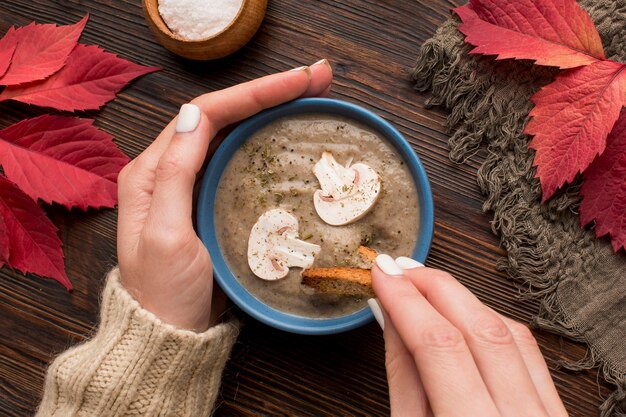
x: 206, y: 209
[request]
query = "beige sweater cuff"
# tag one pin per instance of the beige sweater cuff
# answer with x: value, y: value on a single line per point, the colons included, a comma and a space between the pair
x: 136, y: 365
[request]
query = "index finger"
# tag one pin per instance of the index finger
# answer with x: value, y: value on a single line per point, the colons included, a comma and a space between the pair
x: 233, y: 104
x: 492, y: 345
x: 244, y: 100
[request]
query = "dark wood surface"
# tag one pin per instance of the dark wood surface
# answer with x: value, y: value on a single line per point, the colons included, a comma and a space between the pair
x: 371, y: 44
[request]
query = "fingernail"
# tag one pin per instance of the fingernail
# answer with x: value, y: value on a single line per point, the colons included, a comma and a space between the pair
x: 322, y: 61
x: 307, y: 70
x: 407, y: 263
x: 378, y: 313
x: 188, y: 118
x: 388, y: 265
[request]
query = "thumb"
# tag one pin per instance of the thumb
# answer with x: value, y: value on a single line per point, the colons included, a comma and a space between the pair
x: 176, y: 171
x: 406, y: 393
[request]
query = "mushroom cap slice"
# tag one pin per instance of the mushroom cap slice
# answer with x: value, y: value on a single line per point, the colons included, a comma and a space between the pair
x: 343, y: 203
x: 274, y: 247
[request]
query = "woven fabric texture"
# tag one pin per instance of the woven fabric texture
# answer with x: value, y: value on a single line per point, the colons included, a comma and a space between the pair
x: 136, y: 365
x: 580, y: 281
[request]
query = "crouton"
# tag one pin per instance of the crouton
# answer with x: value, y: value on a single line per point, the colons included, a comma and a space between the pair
x: 339, y: 280
x: 368, y: 254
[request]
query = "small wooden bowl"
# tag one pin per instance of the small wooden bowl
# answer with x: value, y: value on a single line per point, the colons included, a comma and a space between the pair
x: 224, y: 43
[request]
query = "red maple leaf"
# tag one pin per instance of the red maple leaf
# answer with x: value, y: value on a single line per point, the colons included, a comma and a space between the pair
x: 4, y: 243
x: 40, y: 50
x: 52, y: 158
x: 33, y: 242
x: 62, y: 159
x: 90, y: 78
x: 571, y: 120
x: 604, y: 188
x: 7, y: 49
x: 556, y: 33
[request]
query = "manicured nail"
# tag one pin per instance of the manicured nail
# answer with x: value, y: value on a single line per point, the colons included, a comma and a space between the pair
x: 322, y: 61
x: 307, y: 70
x: 388, y: 265
x: 378, y: 313
x: 407, y: 263
x: 188, y: 118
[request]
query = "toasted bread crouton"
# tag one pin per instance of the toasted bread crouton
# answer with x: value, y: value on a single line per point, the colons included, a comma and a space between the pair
x: 339, y: 280
x: 367, y: 254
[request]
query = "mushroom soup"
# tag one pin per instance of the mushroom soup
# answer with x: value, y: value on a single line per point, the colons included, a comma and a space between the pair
x: 274, y: 169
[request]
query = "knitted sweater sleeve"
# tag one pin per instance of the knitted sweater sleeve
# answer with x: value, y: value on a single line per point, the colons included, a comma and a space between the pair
x: 136, y: 365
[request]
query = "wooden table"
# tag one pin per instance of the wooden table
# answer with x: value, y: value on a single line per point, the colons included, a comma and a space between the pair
x: 371, y: 44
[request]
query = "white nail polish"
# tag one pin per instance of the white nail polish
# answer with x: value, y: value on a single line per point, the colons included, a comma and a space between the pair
x: 407, y: 263
x: 188, y: 118
x: 298, y: 69
x: 321, y: 61
x: 388, y: 265
x: 378, y: 314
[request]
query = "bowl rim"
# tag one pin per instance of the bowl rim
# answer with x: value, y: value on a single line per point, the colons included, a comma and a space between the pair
x: 206, y: 208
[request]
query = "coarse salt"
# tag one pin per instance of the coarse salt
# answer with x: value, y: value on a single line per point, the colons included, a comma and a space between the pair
x: 198, y: 19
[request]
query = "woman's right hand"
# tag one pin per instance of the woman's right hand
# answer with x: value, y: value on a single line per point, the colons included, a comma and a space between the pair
x: 448, y: 354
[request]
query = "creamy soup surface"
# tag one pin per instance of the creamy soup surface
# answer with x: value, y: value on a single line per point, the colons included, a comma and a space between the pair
x: 274, y: 169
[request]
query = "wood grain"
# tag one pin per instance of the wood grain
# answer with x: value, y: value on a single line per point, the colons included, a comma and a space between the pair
x: 371, y: 44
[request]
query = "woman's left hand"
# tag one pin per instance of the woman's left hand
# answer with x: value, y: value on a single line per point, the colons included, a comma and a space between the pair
x: 163, y: 263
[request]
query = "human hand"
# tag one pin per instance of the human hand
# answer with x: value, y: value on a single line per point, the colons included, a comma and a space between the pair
x: 448, y: 354
x: 163, y: 263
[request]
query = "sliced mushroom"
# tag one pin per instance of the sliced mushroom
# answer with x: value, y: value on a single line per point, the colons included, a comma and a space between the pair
x: 347, y: 193
x: 274, y: 247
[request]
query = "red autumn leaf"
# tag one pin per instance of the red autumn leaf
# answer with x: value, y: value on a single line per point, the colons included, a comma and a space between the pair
x: 90, y: 78
x: 571, y: 119
x: 40, y: 50
x: 4, y: 243
x: 7, y: 48
x: 556, y: 33
x: 62, y: 159
x: 604, y: 188
x: 34, y: 244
